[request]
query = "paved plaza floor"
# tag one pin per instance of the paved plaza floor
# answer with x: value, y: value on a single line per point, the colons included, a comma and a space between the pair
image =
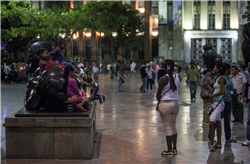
x: 130, y: 129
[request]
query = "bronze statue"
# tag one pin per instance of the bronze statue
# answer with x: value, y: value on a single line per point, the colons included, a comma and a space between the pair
x: 246, y: 43
x: 210, y: 57
x: 48, y: 92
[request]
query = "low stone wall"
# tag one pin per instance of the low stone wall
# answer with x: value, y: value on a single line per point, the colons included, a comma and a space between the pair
x: 50, y: 135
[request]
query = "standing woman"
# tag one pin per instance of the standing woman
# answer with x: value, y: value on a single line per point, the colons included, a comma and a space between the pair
x: 218, y: 104
x: 206, y: 93
x: 150, y: 71
x: 168, y: 106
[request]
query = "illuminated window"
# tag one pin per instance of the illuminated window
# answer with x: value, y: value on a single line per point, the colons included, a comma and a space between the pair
x: 127, y: 2
x: 211, y: 21
x: 226, y: 21
x: 154, y: 3
x: 196, y: 21
x: 211, y: 3
x: 155, y: 22
x: 140, y: 4
x: 197, y: 2
x: 226, y: 3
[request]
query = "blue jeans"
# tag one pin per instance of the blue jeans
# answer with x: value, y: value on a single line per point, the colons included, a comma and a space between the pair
x: 120, y: 88
x: 132, y: 72
x: 248, y: 123
x: 144, y: 83
x: 96, y: 96
x: 192, y: 87
x: 70, y: 63
x: 227, y: 119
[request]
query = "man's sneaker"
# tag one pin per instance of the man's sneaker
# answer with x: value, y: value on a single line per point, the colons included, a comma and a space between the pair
x: 167, y: 153
x: 246, y: 143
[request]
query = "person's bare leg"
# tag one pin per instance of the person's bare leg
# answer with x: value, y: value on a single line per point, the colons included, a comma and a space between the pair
x: 212, y: 131
x: 218, y: 124
x: 169, y: 143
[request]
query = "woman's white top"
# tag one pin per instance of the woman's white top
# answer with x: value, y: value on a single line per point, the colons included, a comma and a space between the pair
x: 149, y: 73
x: 170, y: 95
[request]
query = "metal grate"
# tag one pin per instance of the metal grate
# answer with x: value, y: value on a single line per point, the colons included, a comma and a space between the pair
x: 196, y: 50
x: 226, y: 50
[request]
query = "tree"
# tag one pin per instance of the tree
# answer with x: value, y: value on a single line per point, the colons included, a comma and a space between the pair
x: 111, y: 16
x: 246, y: 15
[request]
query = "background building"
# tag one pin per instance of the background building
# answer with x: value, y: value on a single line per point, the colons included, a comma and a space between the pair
x: 176, y: 30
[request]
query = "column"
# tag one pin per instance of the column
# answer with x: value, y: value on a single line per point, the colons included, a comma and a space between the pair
x: 93, y: 46
x: 218, y: 15
x: 148, y: 51
x: 188, y: 14
x: 81, y: 44
x: 163, y: 31
x: 234, y: 20
x: 204, y: 15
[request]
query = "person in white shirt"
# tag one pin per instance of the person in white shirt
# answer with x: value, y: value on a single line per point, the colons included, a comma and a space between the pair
x: 108, y: 68
x: 6, y: 69
x: 95, y: 71
x: 132, y: 68
x: 150, y: 71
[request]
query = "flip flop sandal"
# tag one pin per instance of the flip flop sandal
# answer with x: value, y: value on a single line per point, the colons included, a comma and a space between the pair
x: 211, y: 148
x: 232, y: 140
x: 167, y: 153
x: 217, y: 146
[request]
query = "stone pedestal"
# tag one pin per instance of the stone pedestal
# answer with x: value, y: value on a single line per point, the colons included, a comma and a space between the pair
x: 34, y: 135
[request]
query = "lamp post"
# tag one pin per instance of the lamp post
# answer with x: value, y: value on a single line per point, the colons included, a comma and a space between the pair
x: 75, y: 43
x: 88, y: 44
x: 100, y: 46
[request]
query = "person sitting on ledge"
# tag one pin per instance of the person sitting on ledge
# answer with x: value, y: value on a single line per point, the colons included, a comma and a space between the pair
x: 94, y: 87
x: 45, y: 63
x: 58, y: 56
x: 73, y: 93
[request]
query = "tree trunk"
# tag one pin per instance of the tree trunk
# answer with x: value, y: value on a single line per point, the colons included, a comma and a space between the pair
x: 112, y: 48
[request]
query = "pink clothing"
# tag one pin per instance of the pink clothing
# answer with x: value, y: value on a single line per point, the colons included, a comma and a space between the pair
x: 78, y: 99
x: 72, y: 88
x: 50, y: 63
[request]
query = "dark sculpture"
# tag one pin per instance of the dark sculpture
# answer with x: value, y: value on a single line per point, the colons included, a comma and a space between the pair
x: 33, y: 53
x: 47, y: 92
x: 246, y: 43
x: 210, y: 57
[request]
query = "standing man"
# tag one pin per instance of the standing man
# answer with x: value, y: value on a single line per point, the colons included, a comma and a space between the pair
x: 144, y: 79
x: 192, y: 74
x: 228, y: 105
x: 239, y: 81
x: 132, y: 68
x: 95, y: 71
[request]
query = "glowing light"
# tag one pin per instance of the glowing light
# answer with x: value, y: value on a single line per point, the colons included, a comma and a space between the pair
x: 141, y: 10
x: 38, y: 36
x: 88, y: 34
x: 234, y: 24
x: 102, y: 34
x: 188, y: 26
x: 114, y: 34
x: 76, y: 35
x: 154, y: 33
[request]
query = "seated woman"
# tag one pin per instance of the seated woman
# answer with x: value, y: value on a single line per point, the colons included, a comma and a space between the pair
x: 45, y: 63
x: 94, y: 87
x: 73, y: 93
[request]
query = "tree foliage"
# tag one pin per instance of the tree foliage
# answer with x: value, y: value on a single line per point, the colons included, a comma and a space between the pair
x: 246, y: 15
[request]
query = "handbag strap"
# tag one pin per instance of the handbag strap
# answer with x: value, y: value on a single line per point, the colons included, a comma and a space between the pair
x: 219, y: 102
x: 168, y: 89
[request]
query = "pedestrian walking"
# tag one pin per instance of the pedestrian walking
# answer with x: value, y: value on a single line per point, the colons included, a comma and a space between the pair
x: 192, y: 78
x: 218, y: 105
x: 228, y: 106
x: 206, y: 94
x: 132, y: 68
x: 144, y: 79
x: 120, y: 79
x: 239, y: 81
x: 168, y: 107
x: 150, y: 76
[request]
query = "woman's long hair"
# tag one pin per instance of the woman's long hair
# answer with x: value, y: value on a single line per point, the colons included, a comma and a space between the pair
x: 169, y: 66
x: 67, y: 69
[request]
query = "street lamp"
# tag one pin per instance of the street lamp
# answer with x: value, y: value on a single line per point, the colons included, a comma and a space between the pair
x: 76, y: 35
x: 102, y: 34
x: 114, y: 34
x: 141, y: 10
x: 155, y: 33
x: 88, y: 34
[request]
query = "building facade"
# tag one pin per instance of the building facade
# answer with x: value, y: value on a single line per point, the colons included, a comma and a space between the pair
x: 176, y: 30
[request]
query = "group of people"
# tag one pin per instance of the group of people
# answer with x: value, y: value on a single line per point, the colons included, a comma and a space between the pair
x: 224, y: 90
x: 72, y: 73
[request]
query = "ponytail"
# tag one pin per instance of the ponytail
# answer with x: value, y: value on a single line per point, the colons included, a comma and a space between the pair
x: 169, y: 66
